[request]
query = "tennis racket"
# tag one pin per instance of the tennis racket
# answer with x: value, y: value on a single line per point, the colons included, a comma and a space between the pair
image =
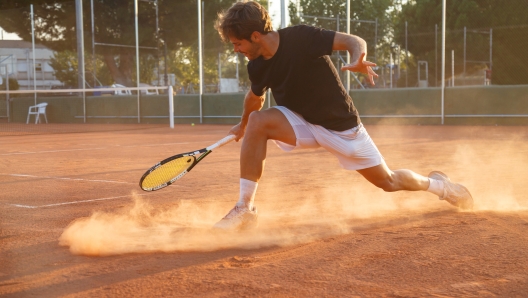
x: 167, y: 171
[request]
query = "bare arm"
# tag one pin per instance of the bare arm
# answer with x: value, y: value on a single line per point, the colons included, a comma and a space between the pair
x: 252, y: 103
x: 357, y: 47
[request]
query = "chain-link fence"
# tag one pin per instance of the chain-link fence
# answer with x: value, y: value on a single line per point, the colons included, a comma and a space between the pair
x: 165, y: 51
x: 405, y: 40
x: 405, y: 43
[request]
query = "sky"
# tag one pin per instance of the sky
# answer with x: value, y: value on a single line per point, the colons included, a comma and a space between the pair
x: 274, y: 12
x: 7, y: 36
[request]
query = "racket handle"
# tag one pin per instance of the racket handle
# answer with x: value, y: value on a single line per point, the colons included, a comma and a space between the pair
x: 222, y: 142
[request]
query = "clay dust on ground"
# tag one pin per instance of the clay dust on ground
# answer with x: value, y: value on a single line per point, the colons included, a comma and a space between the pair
x: 323, y: 231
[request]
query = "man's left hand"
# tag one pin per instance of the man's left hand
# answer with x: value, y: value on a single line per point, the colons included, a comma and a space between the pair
x: 362, y: 66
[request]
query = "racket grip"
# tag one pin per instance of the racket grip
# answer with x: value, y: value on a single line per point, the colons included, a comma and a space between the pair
x: 222, y: 142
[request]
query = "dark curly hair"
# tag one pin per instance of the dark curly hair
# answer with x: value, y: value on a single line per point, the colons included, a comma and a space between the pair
x: 242, y: 19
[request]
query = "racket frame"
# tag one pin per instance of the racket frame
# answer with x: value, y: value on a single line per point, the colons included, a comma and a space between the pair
x: 205, y: 151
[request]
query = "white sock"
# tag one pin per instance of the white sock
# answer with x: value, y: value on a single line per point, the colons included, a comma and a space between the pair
x: 248, y: 189
x: 436, y: 187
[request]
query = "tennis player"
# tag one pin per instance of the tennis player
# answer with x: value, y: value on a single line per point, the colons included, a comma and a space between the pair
x: 313, y: 108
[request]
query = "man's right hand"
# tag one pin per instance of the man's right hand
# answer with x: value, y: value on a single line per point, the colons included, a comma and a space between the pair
x: 238, y: 131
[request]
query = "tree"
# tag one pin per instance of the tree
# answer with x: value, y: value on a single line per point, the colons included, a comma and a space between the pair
x: 13, y: 85
x: 363, y: 17
x: 66, y: 69
x: 183, y: 61
x: 370, y: 20
x: 509, y: 23
x: 114, y: 25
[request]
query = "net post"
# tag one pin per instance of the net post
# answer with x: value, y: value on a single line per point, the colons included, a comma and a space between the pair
x: 171, y: 106
x: 33, y: 53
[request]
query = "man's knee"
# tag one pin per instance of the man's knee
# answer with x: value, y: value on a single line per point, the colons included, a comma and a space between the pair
x: 262, y: 120
x: 256, y: 120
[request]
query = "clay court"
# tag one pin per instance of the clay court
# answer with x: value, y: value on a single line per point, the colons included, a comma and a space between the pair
x: 74, y: 222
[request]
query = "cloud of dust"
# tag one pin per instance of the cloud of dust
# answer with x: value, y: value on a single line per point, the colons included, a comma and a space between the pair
x: 285, y: 218
x: 494, y: 172
x: 289, y: 214
x: 495, y: 178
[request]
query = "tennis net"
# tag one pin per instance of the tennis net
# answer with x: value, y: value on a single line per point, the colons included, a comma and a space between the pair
x: 84, y: 110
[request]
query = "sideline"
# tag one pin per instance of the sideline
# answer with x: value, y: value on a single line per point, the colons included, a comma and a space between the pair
x: 75, y: 202
x: 99, y: 148
x: 63, y: 178
x: 51, y: 151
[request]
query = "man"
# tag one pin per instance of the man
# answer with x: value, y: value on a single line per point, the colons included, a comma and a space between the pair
x: 313, y: 109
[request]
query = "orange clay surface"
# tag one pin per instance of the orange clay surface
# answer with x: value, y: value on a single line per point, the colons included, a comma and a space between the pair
x: 74, y: 222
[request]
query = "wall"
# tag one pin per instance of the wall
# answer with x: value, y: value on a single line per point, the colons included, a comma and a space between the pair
x: 463, y: 105
x: 376, y: 106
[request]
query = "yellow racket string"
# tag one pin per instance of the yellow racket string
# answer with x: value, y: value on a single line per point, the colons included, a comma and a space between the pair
x: 167, y: 172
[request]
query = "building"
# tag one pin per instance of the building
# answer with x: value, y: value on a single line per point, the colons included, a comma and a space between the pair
x: 16, y: 58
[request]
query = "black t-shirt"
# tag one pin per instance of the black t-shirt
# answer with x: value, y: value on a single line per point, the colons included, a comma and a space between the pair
x: 303, y: 78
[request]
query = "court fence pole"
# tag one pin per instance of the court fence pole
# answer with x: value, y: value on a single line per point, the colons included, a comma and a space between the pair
x: 452, y: 68
x: 137, y: 58
x: 93, y: 44
x: 406, y: 59
x: 443, y: 58
x: 465, y: 49
x: 171, y: 106
x: 268, y: 92
x: 491, y: 49
x: 283, y: 14
x: 348, y: 53
x: 200, y: 62
x: 436, y: 55
x: 80, y: 52
x: 376, y: 42
x: 33, y: 48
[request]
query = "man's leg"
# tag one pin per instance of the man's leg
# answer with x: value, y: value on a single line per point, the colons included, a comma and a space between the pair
x: 382, y: 177
x: 262, y: 126
x: 437, y: 183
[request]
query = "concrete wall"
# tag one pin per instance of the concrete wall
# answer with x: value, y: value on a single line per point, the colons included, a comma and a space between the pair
x: 398, y: 106
x: 474, y: 105
x: 463, y: 106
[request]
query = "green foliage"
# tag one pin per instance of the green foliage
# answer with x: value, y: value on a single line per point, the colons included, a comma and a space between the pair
x: 361, y: 11
x: 508, y: 21
x: 13, y: 84
x: 65, y: 66
x: 55, y: 27
x: 66, y: 69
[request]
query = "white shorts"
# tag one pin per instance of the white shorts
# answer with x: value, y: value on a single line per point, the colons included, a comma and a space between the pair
x: 354, y: 148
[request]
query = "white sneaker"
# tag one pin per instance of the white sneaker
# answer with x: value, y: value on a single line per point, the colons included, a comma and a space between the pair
x: 239, y: 218
x: 456, y: 194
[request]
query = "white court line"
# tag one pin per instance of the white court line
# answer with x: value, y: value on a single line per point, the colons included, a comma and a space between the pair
x: 154, y: 145
x: 101, y: 148
x: 63, y: 178
x: 74, y: 202
x: 52, y: 151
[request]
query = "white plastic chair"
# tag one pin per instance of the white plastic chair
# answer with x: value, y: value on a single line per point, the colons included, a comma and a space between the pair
x: 121, y: 92
x: 37, y: 110
x: 148, y: 92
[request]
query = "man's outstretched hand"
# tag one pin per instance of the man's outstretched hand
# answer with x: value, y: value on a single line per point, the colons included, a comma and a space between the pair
x: 363, y: 66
